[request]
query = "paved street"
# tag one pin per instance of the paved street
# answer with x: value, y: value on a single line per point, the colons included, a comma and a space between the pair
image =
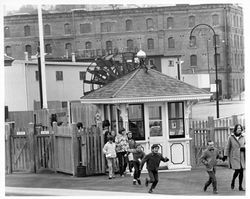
x: 171, y: 183
x: 202, y: 110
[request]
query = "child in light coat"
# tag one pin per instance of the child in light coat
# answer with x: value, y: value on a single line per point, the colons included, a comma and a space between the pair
x: 110, y: 153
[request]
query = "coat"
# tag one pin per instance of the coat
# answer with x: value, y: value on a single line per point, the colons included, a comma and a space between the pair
x: 236, y: 157
x: 209, y: 158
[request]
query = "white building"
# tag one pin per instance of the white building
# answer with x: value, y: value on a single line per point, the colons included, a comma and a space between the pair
x: 64, y: 82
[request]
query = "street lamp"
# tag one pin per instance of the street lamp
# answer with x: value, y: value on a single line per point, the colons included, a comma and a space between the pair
x: 141, y: 55
x: 215, y: 63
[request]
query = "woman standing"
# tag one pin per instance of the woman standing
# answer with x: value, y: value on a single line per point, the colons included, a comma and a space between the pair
x: 235, y: 151
x: 121, y: 141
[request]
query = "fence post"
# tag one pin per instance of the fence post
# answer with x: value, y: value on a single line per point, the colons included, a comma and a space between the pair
x: 55, y: 153
x: 74, y: 148
x: 32, y: 151
x: 210, y: 124
x: 235, y: 120
x: 8, y: 164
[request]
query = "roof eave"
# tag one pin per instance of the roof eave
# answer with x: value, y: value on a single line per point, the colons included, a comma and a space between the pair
x: 146, y: 99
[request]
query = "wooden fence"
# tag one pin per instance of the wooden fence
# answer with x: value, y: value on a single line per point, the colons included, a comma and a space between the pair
x: 217, y: 130
x: 61, y: 148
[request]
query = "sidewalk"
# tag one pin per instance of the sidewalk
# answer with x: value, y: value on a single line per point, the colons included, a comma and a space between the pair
x: 171, y: 183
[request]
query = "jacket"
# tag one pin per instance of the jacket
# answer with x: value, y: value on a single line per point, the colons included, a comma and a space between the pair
x: 138, y: 154
x: 236, y: 157
x: 153, y: 161
x: 209, y: 158
x: 109, y: 150
x: 121, y: 142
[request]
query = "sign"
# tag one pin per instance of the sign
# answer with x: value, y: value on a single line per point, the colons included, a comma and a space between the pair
x: 20, y: 132
x: 212, y: 88
x: 44, y: 132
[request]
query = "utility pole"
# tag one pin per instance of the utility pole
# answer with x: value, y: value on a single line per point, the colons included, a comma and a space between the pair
x: 41, y: 60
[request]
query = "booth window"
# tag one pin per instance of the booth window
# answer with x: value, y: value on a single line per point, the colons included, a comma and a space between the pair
x: 176, y: 119
x: 115, y: 115
x: 155, y: 121
x: 136, y: 121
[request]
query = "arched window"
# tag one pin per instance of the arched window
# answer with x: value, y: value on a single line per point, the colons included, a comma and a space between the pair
x: 192, y: 41
x: 170, y: 22
x: 8, y: 50
x: 6, y: 31
x: 27, y: 30
x: 171, y: 42
x: 48, y: 48
x: 150, y: 43
x: 150, y: 24
x: 109, y: 46
x: 67, y: 28
x: 129, y: 25
x: 193, y: 60
x: 29, y: 50
x: 191, y: 20
x: 68, y: 48
x: 88, y: 45
x: 47, y: 29
x: 215, y: 19
x: 130, y: 44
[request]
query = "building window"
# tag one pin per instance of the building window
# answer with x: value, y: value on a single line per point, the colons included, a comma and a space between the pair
x: 136, y: 121
x: 170, y: 22
x: 68, y: 48
x: 109, y: 46
x: 27, y: 31
x: 59, y: 75
x: 176, y: 120
x: 155, y: 121
x: 170, y: 63
x: 192, y: 41
x: 8, y: 50
x: 48, y: 49
x: 217, y: 39
x: 218, y: 59
x: 116, y: 119
x: 129, y: 25
x: 85, y: 28
x: 6, y: 31
x: 171, y: 43
x: 37, y: 75
x: 191, y: 21
x: 82, y: 75
x: 150, y: 43
x: 150, y: 24
x: 193, y: 60
x: 47, y: 29
x: 106, y: 27
x: 130, y: 44
x: 88, y: 45
x: 64, y: 104
x: 67, y: 29
x: 150, y: 62
x: 28, y: 49
x: 215, y: 19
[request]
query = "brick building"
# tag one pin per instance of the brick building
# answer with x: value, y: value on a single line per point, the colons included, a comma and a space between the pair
x: 162, y: 32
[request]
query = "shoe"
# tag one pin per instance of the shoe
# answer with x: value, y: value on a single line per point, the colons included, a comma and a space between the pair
x: 134, y: 182
x: 232, y: 185
x: 110, y: 178
x: 215, y: 192
x: 146, y: 182
x: 205, y: 188
x: 150, y: 191
x: 139, y: 181
x: 241, y: 189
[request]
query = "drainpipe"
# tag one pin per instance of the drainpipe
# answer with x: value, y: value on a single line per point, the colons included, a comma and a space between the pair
x: 228, y: 82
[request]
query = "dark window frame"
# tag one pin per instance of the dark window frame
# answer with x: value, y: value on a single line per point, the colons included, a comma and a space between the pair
x: 82, y: 75
x: 59, y: 75
x: 129, y: 25
x: 27, y: 31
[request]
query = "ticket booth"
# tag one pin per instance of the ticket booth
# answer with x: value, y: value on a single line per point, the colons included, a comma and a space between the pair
x: 155, y: 108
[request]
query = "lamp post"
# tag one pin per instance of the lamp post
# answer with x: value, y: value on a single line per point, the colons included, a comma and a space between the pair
x: 215, y: 63
x: 141, y: 56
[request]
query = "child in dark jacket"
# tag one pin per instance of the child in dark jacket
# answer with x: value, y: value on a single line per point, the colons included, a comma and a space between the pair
x: 209, y: 159
x: 138, y: 155
x: 153, y: 160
